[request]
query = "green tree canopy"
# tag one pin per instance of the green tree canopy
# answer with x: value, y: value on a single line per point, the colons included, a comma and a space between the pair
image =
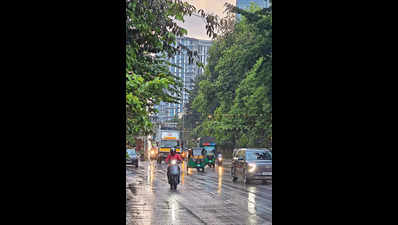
x: 152, y: 30
x: 236, y: 88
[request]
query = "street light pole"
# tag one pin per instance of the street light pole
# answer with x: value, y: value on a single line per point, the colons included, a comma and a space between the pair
x: 183, y: 130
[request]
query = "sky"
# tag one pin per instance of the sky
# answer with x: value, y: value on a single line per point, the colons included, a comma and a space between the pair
x: 196, y: 25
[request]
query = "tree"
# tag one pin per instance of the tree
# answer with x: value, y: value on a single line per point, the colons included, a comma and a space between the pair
x: 151, y: 30
x: 236, y: 87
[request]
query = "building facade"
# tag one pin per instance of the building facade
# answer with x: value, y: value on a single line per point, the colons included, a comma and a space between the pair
x: 187, y: 72
x: 245, y: 4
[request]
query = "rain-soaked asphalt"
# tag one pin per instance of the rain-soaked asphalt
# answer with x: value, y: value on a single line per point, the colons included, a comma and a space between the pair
x: 201, y: 198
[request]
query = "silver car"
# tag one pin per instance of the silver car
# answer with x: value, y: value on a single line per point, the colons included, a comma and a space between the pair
x: 252, y: 164
x: 132, y: 157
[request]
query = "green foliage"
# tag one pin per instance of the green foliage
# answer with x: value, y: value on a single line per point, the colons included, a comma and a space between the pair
x: 236, y: 88
x: 130, y: 141
x: 151, y: 38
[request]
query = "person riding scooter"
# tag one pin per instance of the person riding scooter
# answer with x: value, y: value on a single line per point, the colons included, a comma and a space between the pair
x: 173, y: 156
x: 219, y: 159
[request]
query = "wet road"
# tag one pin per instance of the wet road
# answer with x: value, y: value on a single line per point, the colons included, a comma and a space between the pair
x: 201, y: 198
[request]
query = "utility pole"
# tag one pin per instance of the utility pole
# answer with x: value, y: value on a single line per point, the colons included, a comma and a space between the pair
x: 183, y: 130
x: 144, y: 152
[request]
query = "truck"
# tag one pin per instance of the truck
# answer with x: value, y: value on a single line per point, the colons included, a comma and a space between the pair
x: 167, y: 139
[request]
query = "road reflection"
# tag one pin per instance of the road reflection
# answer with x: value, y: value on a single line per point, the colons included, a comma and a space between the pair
x: 220, y: 174
x: 182, y: 172
x: 151, y: 201
x: 148, y: 176
x: 190, y: 171
x: 251, y: 205
x: 150, y: 172
x: 140, y: 206
x: 152, y: 164
x: 173, y: 207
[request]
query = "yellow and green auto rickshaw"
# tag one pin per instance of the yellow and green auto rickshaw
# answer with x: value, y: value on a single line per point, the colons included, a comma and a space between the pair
x: 209, y: 145
x: 210, y: 149
x: 197, y: 159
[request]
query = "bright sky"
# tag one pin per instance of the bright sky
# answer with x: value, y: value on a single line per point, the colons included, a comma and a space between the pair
x: 196, y: 25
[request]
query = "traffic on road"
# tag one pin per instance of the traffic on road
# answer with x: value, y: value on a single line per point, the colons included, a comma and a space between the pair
x: 199, y: 112
x: 215, y: 196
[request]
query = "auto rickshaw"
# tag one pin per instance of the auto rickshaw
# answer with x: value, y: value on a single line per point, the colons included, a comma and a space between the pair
x: 208, y: 144
x: 196, y: 159
x: 210, y: 156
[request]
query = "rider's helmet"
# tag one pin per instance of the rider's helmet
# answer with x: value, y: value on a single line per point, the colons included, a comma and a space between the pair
x: 172, y: 151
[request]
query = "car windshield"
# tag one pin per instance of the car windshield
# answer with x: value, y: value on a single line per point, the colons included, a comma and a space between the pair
x: 131, y: 151
x: 259, y: 155
x: 197, y: 152
x: 210, y: 150
x: 169, y: 144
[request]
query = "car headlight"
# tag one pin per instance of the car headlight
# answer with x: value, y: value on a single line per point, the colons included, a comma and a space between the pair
x: 252, y: 167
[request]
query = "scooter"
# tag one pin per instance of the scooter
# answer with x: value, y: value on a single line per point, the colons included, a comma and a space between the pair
x: 174, y: 175
x: 219, y: 160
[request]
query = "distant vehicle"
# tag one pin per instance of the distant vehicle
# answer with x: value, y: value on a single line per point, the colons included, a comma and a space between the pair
x: 252, y: 164
x: 185, y: 153
x: 209, y: 145
x: 219, y: 159
x: 174, y: 179
x: 196, y: 159
x: 154, y: 153
x: 167, y: 139
x: 132, y: 157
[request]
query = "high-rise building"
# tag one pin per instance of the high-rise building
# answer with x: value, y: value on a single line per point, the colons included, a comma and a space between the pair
x: 245, y: 4
x: 187, y: 72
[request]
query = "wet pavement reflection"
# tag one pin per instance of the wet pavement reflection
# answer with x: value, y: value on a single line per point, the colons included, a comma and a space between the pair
x: 220, y: 175
x: 208, y: 197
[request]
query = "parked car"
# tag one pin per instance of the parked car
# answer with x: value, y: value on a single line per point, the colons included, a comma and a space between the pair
x: 252, y: 164
x: 133, y: 157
